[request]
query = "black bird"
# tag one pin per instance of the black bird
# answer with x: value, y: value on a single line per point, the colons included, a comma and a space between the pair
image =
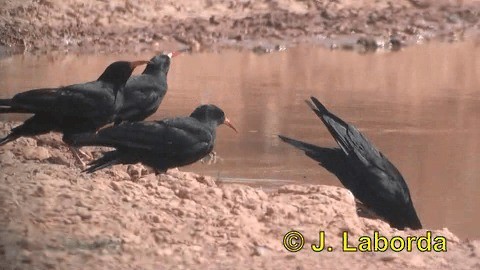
x: 144, y: 93
x: 72, y: 109
x: 362, y: 169
x: 161, y: 144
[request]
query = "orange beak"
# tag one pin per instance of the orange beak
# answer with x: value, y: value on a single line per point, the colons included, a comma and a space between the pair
x: 135, y: 64
x: 229, y: 124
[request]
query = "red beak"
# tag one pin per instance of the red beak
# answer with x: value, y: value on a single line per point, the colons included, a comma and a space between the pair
x: 229, y: 124
x: 175, y: 53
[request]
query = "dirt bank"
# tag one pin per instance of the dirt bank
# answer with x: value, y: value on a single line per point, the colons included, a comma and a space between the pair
x: 41, y: 26
x: 54, y: 217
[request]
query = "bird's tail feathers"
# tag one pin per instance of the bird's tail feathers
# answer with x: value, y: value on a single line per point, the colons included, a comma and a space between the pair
x: 320, y: 154
x: 109, y: 159
x: 298, y: 144
x: 316, y: 106
x: 10, y: 137
x: 6, y: 102
x: 336, y: 126
x: 13, y: 110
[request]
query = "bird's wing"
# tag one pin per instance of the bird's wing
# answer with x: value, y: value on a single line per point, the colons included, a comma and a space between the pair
x: 36, y: 100
x: 348, y: 137
x: 321, y: 154
x: 167, y: 137
x: 141, y: 94
x: 84, y: 100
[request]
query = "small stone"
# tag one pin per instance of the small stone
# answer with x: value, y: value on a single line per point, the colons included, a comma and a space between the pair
x: 7, y: 158
x: 82, y: 204
x: 183, y: 193
x: 57, y: 157
x: 40, y: 192
x: 156, y: 219
x: 75, y: 219
x: 206, y: 180
x: 164, y: 252
x: 114, y: 185
x: 25, y: 256
x: 84, y: 213
x: 217, y: 192
x: 36, y: 153
x: 25, y: 141
x: 259, y: 251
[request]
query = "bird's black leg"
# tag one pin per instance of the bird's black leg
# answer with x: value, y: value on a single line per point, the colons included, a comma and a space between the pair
x: 157, y: 171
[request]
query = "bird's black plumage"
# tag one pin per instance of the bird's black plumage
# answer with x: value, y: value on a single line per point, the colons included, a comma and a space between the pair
x: 161, y: 144
x: 144, y: 93
x: 71, y: 109
x: 362, y: 169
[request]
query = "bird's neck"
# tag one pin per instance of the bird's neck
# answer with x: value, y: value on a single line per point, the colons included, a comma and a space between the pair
x: 115, y: 85
x: 155, y: 71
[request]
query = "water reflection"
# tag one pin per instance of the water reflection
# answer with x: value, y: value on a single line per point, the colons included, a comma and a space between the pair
x: 419, y: 106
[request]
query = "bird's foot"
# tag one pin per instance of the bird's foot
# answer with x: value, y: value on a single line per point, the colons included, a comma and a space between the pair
x: 85, y: 155
x: 211, y: 158
x: 78, y: 159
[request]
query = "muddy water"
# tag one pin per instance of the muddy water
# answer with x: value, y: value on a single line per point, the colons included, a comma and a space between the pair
x: 419, y: 106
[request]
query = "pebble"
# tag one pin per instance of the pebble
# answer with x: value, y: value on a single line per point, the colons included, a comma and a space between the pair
x: 84, y: 213
x: 206, y: 180
x: 259, y: 251
x: 57, y: 157
x: 184, y: 193
x: 156, y: 219
x: 7, y: 158
x: 36, y: 153
x: 40, y: 192
x: 25, y: 256
x: 115, y: 186
x: 164, y: 252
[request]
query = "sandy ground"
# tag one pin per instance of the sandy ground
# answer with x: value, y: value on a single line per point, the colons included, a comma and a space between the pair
x: 52, y: 216
x: 42, y: 26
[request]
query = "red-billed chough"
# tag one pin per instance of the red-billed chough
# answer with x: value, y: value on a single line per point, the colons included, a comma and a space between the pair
x: 72, y: 109
x: 144, y: 93
x: 163, y: 144
x: 362, y: 169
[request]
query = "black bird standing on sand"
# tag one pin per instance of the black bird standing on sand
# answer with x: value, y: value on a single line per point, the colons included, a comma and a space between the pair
x: 164, y: 144
x: 362, y: 169
x: 144, y: 93
x: 72, y: 109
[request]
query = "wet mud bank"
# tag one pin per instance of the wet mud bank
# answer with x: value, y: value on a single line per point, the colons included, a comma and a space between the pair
x: 119, y: 26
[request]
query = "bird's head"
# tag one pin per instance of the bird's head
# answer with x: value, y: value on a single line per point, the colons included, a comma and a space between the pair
x: 161, y: 62
x: 211, y: 114
x: 117, y: 73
